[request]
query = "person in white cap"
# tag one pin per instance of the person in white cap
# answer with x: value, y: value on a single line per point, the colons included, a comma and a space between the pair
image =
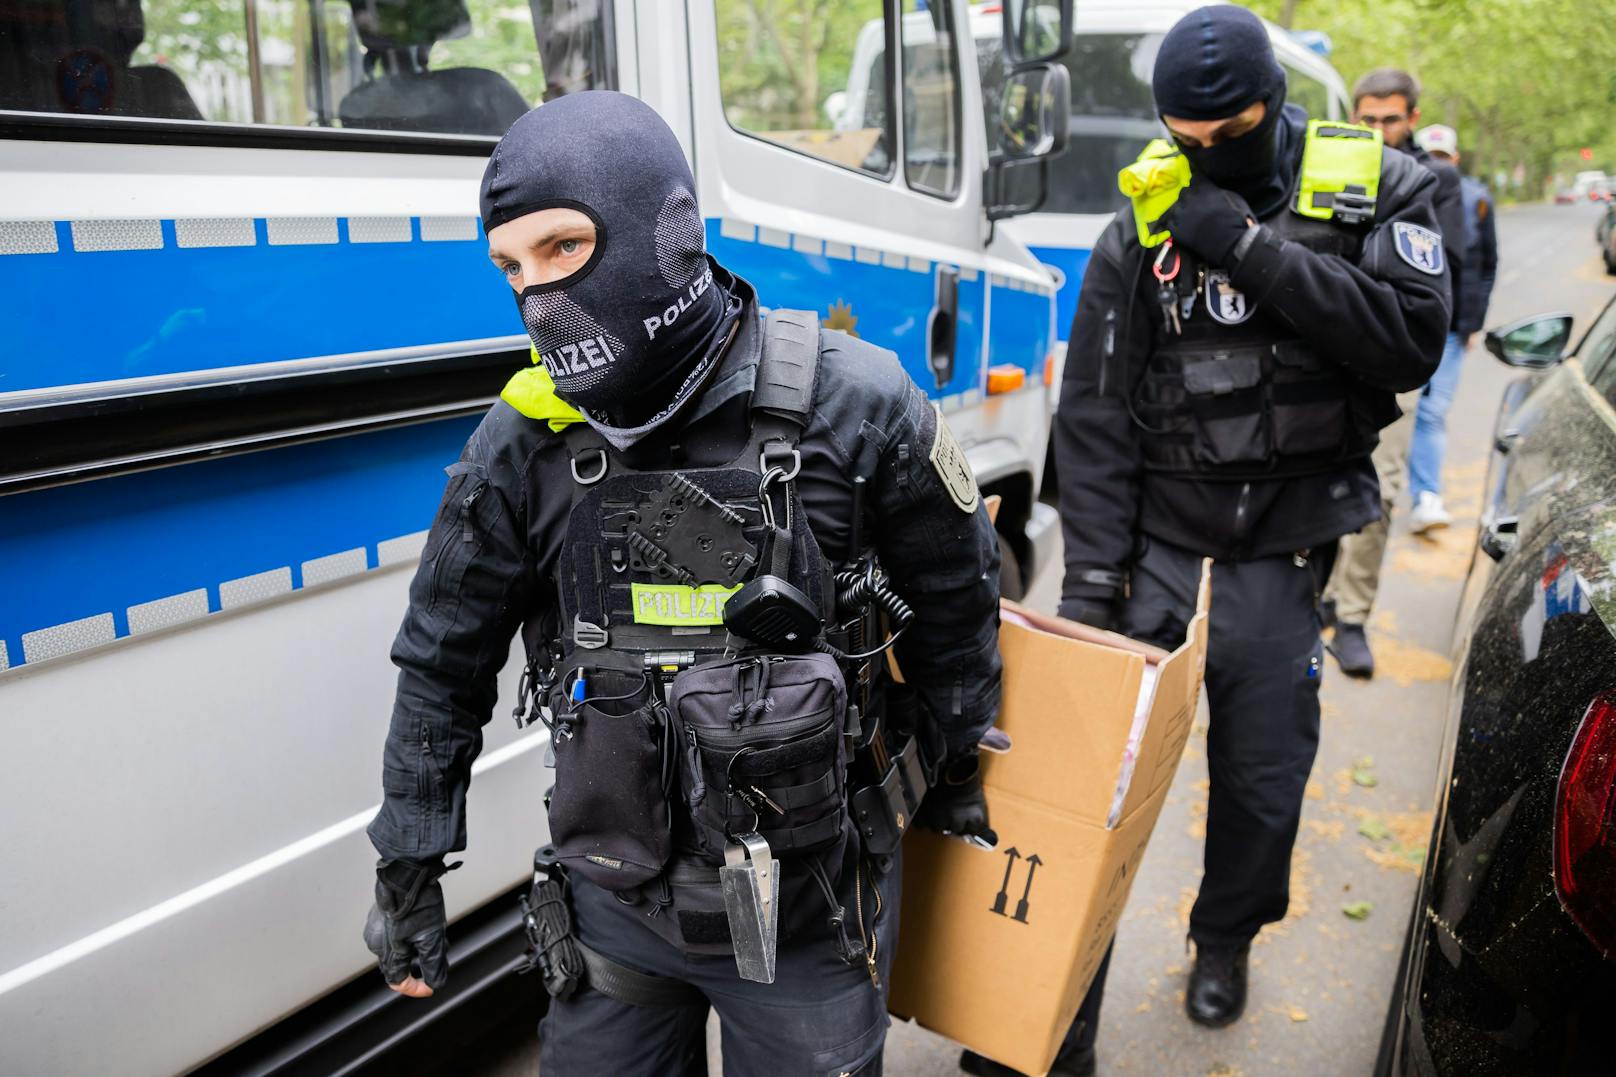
x: 1472, y: 292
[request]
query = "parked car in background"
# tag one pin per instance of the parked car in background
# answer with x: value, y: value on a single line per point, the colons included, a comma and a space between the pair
x: 1508, y: 963
x: 1605, y: 234
x: 1591, y: 184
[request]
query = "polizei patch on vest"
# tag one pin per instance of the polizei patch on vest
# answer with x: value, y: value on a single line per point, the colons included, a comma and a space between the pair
x: 952, y: 467
x: 1225, y: 302
x: 676, y: 605
x: 1419, y: 247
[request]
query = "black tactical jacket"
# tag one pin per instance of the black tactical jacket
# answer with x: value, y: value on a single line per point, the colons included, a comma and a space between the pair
x: 490, y: 558
x: 1380, y: 318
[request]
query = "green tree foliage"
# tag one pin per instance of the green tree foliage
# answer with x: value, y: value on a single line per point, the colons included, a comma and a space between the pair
x: 1524, y: 82
x: 780, y: 59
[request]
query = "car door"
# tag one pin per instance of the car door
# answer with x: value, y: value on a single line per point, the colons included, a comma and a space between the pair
x: 1501, y: 980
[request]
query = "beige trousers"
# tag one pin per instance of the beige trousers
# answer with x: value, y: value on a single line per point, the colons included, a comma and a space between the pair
x: 1356, y: 578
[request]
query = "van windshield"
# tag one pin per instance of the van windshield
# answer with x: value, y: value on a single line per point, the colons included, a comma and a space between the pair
x: 1113, y: 116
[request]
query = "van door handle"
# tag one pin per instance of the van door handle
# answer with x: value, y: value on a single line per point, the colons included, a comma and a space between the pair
x: 1506, y: 441
x: 942, y: 328
x: 1498, y: 536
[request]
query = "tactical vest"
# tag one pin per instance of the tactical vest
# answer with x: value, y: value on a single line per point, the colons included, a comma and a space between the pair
x: 680, y: 748
x: 1236, y: 395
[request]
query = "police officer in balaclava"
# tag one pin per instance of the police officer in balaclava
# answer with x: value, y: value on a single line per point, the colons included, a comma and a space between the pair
x: 689, y: 512
x: 1222, y: 393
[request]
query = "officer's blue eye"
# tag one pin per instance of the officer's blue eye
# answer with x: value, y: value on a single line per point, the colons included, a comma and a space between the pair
x: 512, y: 269
x: 569, y: 246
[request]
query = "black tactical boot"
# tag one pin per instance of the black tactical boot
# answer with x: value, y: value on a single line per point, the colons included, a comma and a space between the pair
x: 1217, y: 991
x: 1351, y: 649
x: 1077, y: 1064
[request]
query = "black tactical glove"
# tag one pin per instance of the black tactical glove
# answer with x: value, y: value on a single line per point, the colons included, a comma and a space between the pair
x: 407, y: 925
x: 1098, y: 613
x: 956, y: 804
x: 1208, y: 220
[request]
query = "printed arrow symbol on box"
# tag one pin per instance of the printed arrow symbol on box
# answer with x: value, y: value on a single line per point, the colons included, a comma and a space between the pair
x: 1021, y: 906
x: 1002, y: 898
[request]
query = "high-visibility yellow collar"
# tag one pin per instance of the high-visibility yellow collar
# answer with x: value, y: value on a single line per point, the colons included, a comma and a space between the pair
x: 533, y: 393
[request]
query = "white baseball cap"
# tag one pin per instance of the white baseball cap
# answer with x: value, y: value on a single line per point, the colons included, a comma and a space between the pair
x: 1438, y: 138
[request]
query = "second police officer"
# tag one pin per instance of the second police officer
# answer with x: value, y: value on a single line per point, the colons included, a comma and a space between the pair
x: 667, y: 507
x: 1223, y: 393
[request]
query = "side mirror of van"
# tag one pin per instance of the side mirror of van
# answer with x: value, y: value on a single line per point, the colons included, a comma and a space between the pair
x: 1036, y: 30
x: 1034, y: 125
x: 1035, y: 112
x: 1534, y: 343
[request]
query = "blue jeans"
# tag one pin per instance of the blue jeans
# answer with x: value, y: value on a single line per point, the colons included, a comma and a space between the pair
x: 1430, y: 422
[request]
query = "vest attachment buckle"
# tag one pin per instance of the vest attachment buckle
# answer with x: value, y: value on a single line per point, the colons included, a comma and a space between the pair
x: 780, y: 450
x: 600, y: 472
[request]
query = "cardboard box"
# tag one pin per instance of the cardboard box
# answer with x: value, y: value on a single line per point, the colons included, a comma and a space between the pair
x: 997, y: 947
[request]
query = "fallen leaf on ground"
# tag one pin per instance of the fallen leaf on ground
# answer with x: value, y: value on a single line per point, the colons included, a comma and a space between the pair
x: 1373, y: 828
x: 1362, y: 775
x: 1297, y: 1015
x: 1357, y: 910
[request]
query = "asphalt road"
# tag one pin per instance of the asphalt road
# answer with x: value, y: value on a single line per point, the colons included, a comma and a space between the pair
x: 1320, y: 980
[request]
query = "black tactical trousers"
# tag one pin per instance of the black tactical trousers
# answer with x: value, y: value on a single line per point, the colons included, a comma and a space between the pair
x: 1263, y: 667
x: 820, y: 1016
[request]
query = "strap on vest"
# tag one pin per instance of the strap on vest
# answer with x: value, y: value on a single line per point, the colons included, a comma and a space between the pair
x: 635, y: 988
x: 783, y: 395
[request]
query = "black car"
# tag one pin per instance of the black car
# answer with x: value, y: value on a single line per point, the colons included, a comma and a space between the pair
x: 1510, y: 960
x: 1605, y: 235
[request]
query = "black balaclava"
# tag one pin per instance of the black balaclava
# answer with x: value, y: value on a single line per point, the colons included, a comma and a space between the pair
x: 1214, y: 63
x: 635, y: 334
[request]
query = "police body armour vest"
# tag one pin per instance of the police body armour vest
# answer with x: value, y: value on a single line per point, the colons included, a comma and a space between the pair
x: 674, y: 740
x: 1237, y: 394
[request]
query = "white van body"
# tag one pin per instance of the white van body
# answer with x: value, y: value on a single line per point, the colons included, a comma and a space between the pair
x: 1112, y: 119
x: 239, y: 354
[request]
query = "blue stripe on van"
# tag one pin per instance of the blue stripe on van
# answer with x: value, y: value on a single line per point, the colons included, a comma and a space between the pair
x: 110, y: 314
x: 99, y: 547
x: 1072, y: 262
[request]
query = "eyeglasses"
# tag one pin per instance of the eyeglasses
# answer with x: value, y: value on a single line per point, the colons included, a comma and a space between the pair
x: 1383, y: 121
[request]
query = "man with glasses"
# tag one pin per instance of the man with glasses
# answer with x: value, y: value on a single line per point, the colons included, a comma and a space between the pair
x: 1388, y: 98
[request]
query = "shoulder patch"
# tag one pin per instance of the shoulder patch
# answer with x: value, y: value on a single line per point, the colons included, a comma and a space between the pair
x: 1419, y: 247
x: 952, y: 467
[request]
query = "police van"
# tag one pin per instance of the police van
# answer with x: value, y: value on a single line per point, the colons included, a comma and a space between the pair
x: 250, y: 319
x: 1113, y: 116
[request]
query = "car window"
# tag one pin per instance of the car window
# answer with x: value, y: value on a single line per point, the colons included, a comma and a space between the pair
x: 931, y: 98
x: 1307, y: 91
x: 1597, y: 353
x: 817, y: 86
x: 430, y: 66
x: 1113, y: 116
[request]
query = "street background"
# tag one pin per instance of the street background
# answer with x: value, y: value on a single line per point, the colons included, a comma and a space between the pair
x: 1320, y: 980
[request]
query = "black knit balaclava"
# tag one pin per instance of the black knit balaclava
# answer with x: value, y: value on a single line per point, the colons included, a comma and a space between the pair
x: 634, y: 334
x: 1214, y: 63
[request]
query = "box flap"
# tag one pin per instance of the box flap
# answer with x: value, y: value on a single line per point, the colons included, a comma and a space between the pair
x: 1073, y: 761
x: 1172, y: 711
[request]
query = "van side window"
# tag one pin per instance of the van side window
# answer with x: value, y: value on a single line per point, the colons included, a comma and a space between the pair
x: 1307, y: 91
x: 434, y: 66
x: 931, y: 98
x: 817, y: 85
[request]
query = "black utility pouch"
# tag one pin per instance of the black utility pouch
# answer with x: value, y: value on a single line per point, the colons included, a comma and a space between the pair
x: 609, y: 818
x: 1309, y: 401
x: 762, y: 749
x: 1225, y: 395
